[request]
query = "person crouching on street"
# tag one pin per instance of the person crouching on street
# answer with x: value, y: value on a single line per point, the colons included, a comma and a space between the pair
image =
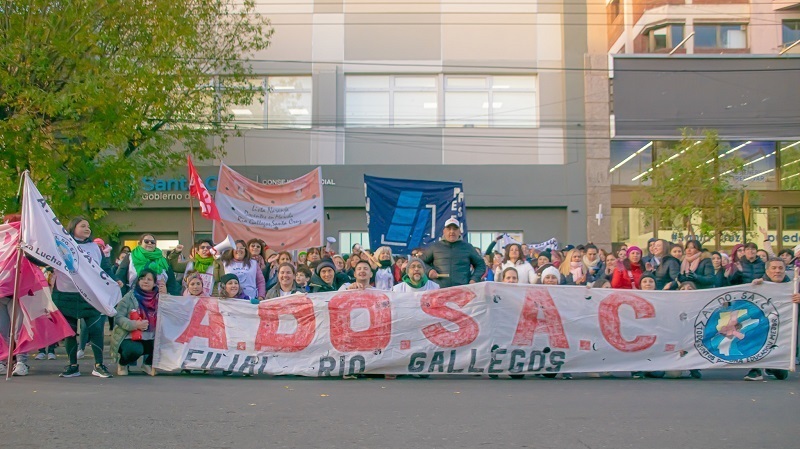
x: 135, y: 328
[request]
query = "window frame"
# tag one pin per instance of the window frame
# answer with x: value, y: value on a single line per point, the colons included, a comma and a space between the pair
x: 718, y: 28
x: 392, y: 90
x: 491, y: 90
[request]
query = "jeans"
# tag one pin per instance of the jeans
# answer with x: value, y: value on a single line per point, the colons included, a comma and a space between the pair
x: 130, y: 351
x: 6, y: 306
x: 94, y: 330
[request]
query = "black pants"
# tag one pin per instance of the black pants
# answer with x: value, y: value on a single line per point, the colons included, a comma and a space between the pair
x: 130, y: 351
x: 94, y: 328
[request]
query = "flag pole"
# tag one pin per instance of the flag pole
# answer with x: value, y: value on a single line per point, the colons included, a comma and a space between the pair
x: 191, y: 214
x: 793, y: 345
x: 15, y: 296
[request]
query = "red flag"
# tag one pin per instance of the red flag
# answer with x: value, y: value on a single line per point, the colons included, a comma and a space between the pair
x: 198, y: 190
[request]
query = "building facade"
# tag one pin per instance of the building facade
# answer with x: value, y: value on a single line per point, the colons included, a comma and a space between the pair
x: 490, y: 94
x: 729, y: 66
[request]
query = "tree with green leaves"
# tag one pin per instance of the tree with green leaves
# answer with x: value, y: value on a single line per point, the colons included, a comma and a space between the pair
x: 690, y: 188
x: 96, y: 93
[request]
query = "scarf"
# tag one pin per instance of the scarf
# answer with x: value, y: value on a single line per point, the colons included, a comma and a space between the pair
x: 148, y: 303
x: 386, y: 263
x: 201, y: 264
x: 591, y: 265
x: 154, y: 260
x: 422, y: 281
x: 690, y: 263
x: 576, y: 268
x: 260, y: 259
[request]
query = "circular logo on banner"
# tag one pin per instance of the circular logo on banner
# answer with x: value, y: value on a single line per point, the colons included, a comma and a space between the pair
x: 736, y: 327
x: 68, y: 252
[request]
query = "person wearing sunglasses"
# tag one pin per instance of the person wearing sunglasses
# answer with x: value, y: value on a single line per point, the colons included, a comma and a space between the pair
x: 202, y: 262
x: 147, y: 255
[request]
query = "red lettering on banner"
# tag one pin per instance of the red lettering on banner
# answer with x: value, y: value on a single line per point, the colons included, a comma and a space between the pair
x: 435, y: 304
x: 529, y: 324
x: 214, y: 331
x: 610, y: 323
x: 268, y: 338
x: 377, y: 336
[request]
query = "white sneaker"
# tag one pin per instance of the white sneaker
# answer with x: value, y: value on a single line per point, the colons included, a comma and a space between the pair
x: 122, y: 370
x: 3, y: 369
x: 20, y: 369
x: 40, y: 356
x: 149, y: 370
x: 51, y: 356
x: 80, y: 353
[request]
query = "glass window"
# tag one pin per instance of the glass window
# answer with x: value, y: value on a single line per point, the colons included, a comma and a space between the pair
x: 665, y: 37
x: 791, y: 219
x: 490, y: 101
x: 759, y: 164
x: 789, y: 154
x: 349, y: 238
x: 630, y: 158
x: 733, y: 36
x: 289, y: 102
x: 630, y: 226
x: 391, y: 100
x: 250, y: 114
x: 791, y: 31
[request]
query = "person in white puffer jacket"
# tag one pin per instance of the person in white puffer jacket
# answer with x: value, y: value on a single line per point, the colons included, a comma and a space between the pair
x: 514, y: 258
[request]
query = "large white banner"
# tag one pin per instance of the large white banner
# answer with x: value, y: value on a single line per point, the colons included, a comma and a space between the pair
x: 45, y: 239
x: 486, y: 328
x: 286, y: 216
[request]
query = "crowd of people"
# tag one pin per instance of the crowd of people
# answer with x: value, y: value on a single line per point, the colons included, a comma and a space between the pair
x: 252, y: 271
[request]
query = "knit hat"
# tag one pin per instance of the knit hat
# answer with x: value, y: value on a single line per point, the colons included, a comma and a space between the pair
x: 230, y: 276
x: 551, y: 270
x: 326, y: 262
x: 545, y: 253
x: 632, y: 249
x: 648, y: 274
x: 415, y: 259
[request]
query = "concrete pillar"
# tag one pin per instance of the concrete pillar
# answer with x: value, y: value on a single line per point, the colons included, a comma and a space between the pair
x: 598, y: 149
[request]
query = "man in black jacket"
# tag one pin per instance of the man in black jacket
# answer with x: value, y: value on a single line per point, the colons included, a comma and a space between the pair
x: 454, y: 261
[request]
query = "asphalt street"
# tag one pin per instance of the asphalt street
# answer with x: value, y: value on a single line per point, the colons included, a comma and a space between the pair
x: 212, y: 411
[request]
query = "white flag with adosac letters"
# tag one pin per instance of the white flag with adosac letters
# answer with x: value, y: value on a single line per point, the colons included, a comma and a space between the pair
x: 45, y: 239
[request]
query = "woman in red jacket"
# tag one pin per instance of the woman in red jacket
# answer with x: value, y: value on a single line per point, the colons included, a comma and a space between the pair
x: 629, y: 271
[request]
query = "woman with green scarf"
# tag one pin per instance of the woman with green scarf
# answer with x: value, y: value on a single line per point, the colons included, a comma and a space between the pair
x: 147, y: 255
x: 202, y: 262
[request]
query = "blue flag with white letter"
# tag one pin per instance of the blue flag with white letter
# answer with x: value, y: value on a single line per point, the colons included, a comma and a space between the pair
x: 404, y: 214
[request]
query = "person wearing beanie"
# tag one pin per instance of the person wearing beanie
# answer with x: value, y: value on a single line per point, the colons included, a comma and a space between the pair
x: 324, y: 277
x: 229, y: 287
x: 629, y: 271
x: 415, y: 279
x: 551, y: 276
x: 647, y: 281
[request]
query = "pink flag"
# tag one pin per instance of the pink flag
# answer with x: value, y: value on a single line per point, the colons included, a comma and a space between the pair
x: 41, y: 324
x: 286, y: 217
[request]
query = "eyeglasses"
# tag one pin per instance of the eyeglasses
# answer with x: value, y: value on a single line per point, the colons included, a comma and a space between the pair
x: 205, y: 247
x: 149, y: 242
